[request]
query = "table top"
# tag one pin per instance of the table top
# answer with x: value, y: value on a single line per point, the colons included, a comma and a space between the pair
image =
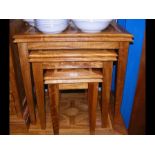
x: 113, y: 32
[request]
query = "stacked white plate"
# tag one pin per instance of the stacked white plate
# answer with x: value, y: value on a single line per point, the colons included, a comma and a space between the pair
x: 92, y: 26
x: 51, y: 25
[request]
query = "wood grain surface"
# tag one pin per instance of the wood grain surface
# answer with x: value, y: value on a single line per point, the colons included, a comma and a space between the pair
x: 73, y: 46
x: 73, y: 118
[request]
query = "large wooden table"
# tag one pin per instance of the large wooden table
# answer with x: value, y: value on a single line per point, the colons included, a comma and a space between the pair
x: 114, y: 38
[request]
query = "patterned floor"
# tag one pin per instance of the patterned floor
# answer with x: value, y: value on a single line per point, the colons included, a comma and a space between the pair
x: 73, y: 117
x: 74, y: 112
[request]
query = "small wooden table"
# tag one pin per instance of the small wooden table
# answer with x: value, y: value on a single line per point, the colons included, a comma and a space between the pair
x: 31, y: 41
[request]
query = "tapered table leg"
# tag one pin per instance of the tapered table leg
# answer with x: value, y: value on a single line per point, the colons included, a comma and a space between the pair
x: 26, y: 75
x: 53, y: 90
x: 93, y: 100
x: 106, y: 87
x: 39, y: 88
x: 121, y: 70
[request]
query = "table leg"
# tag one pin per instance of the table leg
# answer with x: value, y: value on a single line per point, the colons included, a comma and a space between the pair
x: 106, y: 87
x: 39, y: 88
x: 26, y: 75
x: 121, y: 70
x: 53, y: 90
x: 93, y: 100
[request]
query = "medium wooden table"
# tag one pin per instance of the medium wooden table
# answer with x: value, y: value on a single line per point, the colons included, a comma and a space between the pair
x: 113, y: 38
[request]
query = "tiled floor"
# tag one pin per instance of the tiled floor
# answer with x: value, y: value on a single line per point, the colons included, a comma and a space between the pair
x: 73, y: 117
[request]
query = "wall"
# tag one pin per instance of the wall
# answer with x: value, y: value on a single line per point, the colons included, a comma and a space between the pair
x: 137, y: 28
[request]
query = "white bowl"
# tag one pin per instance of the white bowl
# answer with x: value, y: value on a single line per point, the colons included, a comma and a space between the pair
x: 92, y: 26
x: 51, y: 25
x: 30, y: 21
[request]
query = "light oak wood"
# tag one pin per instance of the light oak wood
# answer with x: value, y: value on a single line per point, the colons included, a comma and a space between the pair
x: 71, y: 86
x: 53, y: 90
x: 18, y: 125
x: 73, y: 45
x: 106, y: 88
x: 18, y: 109
x: 114, y: 38
x: 68, y: 74
x: 51, y: 38
x: 25, y: 69
x: 71, y: 53
x: 70, y: 59
x: 15, y: 106
x: 39, y: 88
x: 72, y: 81
x: 12, y: 109
x: 113, y: 33
x: 67, y: 125
x: 70, y: 65
x: 93, y: 100
x: 38, y: 81
x: 121, y: 70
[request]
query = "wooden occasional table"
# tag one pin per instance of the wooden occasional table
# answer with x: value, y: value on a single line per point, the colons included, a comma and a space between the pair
x: 113, y: 38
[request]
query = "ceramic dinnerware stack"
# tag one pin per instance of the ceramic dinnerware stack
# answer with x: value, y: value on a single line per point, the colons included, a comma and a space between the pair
x: 92, y: 25
x: 51, y: 25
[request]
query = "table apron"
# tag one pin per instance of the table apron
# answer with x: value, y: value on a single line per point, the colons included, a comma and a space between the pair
x: 72, y: 45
